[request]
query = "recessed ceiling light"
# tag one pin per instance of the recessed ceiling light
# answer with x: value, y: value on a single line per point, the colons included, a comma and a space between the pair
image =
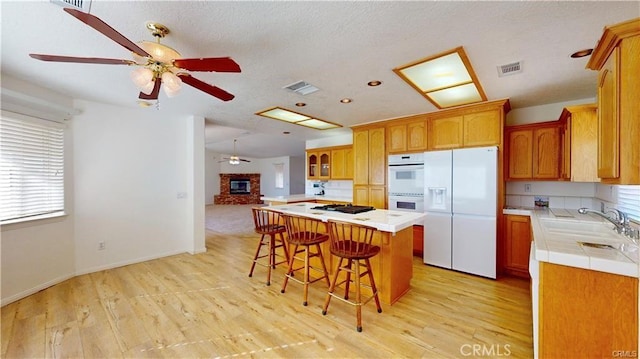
x: 346, y: 100
x: 301, y: 104
x: 582, y: 53
x: 144, y: 103
x: 374, y: 83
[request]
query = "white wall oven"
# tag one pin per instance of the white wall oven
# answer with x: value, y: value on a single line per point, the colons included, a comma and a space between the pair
x: 406, y: 182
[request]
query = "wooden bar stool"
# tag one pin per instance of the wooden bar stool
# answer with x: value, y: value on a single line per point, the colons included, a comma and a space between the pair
x: 305, y: 233
x: 352, y: 243
x: 267, y: 223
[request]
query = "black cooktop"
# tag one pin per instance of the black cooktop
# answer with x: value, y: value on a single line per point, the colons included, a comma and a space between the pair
x: 344, y: 208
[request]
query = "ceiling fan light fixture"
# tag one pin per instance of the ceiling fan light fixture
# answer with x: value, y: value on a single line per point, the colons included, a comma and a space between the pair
x: 234, y: 160
x: 158, y: 51
x: 171, y: 83
x: 142, y: 77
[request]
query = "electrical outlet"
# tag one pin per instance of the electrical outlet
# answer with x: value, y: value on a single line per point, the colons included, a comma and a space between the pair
x: 527, y: 187
x: 101, y: 246
x: 182, y: 195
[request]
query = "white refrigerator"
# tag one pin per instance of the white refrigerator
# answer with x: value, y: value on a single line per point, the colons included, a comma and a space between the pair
x: 460, y: 205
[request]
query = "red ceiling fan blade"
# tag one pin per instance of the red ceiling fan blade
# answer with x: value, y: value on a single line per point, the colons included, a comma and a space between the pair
x: 242, y: 159
x: 154, y: 93
x: 217, y: 64
x: 85, y: 60
x: 205, y: 87
x: 107, y: 31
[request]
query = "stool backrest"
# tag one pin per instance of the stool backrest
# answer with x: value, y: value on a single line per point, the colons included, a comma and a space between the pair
x: 303, y: 229
x: 266, y: 220
x: 350, y: 239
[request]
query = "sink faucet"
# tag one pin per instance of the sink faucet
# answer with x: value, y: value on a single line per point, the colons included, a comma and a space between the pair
x: 618, y: 221
x: 621, y: 222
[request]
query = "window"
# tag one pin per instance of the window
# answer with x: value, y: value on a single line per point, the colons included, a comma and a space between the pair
x: 279, y: 168
x: 629, y: 201
x: 31, y: 167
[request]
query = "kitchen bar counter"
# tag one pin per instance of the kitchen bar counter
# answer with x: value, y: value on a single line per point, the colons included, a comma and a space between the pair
x: 393, y: 266
x: 296, y: 198
x: 384, y: 220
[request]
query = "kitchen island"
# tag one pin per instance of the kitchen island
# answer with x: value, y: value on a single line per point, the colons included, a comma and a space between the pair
x: 393, y: 267
x: 297, y: 198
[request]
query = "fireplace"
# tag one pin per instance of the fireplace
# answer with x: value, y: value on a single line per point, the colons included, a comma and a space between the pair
x: 239, y: 186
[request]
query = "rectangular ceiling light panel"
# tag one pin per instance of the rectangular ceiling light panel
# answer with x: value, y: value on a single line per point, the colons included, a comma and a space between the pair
x: 446, y: 79
x: 282, y: 114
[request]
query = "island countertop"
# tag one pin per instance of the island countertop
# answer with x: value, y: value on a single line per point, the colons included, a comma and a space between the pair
x: 294, y: 198
x: 382, y: 219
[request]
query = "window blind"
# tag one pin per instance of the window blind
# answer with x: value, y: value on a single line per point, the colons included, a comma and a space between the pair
x: 31, y: 167
x: 629, y: 201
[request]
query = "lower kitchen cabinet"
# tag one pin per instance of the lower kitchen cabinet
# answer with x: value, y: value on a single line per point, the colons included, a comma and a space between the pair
x: 517, y: 244
x: 586, y: 313
x: 375, y: 196
x: 418, y: 241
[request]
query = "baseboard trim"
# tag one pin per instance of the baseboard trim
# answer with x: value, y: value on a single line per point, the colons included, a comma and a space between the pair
x: 35, y: 289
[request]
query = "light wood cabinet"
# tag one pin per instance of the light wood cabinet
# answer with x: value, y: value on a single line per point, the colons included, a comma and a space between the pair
x: 330, y: 163
x: 324, y: 158
x: 313, y: 165
x: 616, y: 58
x: 406, y: 137
x: 517, y: 245
x: 586, y: 314
x: 482, y: 128
x: 580, y: 143
x: 418, y: 241
x: 342, y: 163
x: 445, y: 133
x: 533, y: 151
x: 546, y: 152
x: 370, y: 167
x: 520, y: 154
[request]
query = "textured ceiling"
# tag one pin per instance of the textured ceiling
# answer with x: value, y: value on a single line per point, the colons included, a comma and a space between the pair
x: 336, y: 46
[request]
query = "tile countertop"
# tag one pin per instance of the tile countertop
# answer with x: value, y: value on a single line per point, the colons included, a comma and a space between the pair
x: 303, y: 198
x: 563, y: 247
x: 384, y: 220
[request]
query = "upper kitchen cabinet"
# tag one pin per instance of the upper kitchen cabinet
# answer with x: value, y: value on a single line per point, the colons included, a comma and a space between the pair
x: 579, y: 143
x: 468, y: 126
x: 407, y: 135
x: 330, y: 163
x: 342, y: 163
x: 369, y: 177
x: 616, y: 58
x: 533, y: 151
x: 312, y: 165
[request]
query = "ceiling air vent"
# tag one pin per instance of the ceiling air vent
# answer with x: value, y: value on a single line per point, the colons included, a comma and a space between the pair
x: 302, y: 88
x: 510, y: 69
x: 82, y: 5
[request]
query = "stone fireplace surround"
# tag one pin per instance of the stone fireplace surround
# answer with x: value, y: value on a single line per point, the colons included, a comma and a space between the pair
x: 225, y: 196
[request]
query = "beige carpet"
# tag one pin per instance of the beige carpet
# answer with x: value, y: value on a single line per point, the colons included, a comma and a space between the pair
x: 229, y: 219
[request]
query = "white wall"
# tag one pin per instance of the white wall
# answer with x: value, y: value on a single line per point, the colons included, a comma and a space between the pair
x: 268, y: 176
x: 129, y: 167
x: 211, y: 176
x: 297, y: 174
x: 542, y: 113
x: 338, y: 140
x: 38, y: 254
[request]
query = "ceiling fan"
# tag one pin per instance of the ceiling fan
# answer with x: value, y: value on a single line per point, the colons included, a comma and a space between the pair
x: 157, y: 64
x: 234, y: 159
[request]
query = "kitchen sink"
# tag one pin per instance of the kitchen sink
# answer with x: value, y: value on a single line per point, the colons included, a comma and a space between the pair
x: 579, y: 229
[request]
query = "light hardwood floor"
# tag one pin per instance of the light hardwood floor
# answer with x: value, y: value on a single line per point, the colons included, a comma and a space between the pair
x: 205, y: 306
